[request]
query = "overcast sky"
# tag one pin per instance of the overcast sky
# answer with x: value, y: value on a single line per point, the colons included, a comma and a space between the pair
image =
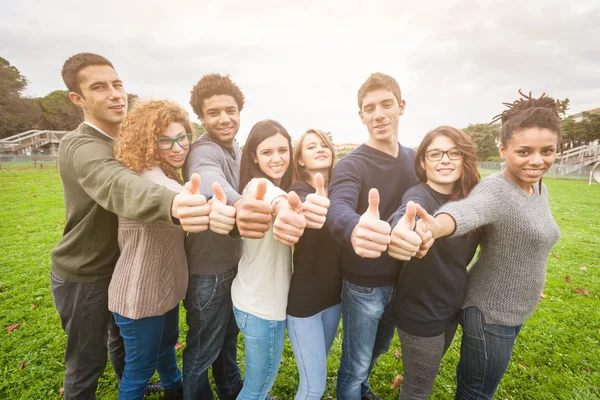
x: 302, y: 64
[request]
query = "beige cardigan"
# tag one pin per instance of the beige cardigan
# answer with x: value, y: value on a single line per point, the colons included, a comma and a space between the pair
x: 151, y: 275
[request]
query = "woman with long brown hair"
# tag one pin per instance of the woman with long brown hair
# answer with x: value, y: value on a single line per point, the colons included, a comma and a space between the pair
x: 151, y: 277
x: 430, y: 290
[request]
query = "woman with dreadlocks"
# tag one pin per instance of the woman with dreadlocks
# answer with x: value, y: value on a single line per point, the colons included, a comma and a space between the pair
x: 511, y: 211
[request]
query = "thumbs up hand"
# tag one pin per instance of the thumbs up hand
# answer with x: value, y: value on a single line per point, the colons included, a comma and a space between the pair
x: 316, y: 204
x: 190, y: 207
x: 405, y: 242
x: 253, y: 216
x: 289, y: 222
x: 371, y: 235
x: 222, y: 216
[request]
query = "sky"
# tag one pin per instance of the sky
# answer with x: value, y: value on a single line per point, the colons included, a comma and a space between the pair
x: 302, y: 62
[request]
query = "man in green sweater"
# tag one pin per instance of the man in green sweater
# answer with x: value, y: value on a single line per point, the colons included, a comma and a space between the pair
x: 97, y: 188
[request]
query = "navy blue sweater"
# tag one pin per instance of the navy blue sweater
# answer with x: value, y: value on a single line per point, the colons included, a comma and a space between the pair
x: 431, y: 290
x: 352, y: 178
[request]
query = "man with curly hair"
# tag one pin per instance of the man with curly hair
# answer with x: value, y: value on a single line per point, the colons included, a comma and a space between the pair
x: 213, y: 258
x: 97, y: 188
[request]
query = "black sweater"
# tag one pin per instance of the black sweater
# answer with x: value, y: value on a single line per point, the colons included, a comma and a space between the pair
x: 317, y: 279
x: 431, y: 290
x: 352, y: 178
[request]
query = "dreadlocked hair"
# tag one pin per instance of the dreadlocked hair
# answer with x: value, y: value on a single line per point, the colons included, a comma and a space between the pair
x: 528, y: 112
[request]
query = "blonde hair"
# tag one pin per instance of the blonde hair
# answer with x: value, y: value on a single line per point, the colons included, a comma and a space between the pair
x: 136, y: 147
x: 301, y: 174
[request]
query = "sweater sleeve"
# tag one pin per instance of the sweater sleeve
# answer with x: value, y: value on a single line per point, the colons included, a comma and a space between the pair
x: 344, y: 191
x: 484, y: 205
x: 416, y: 194
x: 118, y: 189
x: 206, y: 161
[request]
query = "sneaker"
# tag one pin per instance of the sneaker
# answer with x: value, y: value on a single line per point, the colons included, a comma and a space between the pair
x: 153, y: 387
x: 369, y: 396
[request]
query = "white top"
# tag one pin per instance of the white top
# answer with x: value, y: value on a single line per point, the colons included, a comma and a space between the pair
x: 264, y: 272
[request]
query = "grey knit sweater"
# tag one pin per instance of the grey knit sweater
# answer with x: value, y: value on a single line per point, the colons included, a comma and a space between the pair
x: 210, y: 253
x: 151, y: 275
x: 507, y: 279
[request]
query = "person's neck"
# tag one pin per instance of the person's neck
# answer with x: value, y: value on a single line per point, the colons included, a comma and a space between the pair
x: 441, y: 188
x: 389, y: 147
x: 109, y: 129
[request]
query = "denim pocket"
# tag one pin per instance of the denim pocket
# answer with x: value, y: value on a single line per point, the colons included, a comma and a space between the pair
x: 360, y: 290
x: 55, y: 279
x: 240, y: 318
x: 205, y: 290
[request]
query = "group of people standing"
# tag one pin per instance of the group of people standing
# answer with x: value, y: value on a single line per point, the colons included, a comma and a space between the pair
x: 382, y: 240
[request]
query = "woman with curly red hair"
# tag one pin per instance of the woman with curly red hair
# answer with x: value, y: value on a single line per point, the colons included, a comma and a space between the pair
x: 150, y: 277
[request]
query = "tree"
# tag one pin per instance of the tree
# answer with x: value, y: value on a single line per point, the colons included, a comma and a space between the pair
x: 197, y: 130
x: 59, y: 112
x: 485, y: 138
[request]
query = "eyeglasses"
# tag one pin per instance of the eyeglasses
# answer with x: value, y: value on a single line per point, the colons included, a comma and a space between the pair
x: 436, y: 154
x: 168, y: 143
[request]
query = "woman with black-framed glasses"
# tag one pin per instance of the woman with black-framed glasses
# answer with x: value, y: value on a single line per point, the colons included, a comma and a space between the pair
x: 430, y: 290
x: 151, y: 275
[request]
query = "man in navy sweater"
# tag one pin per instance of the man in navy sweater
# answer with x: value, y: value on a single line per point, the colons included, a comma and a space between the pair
x: 366, y: 187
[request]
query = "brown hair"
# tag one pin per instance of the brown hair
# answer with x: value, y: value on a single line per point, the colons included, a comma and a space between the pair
x: 211, y: 85
x: 135, y: 146
x: 301, y: 174
x: 527, y: 112
x: 376, y: 81
x: 261, y: 131
x: 71, y: 68
x: 469, y: 177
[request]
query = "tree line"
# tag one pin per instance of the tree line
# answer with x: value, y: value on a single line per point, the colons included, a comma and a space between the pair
x: 55, y: 111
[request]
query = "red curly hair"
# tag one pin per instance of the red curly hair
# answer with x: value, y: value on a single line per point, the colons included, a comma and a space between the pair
x: 136, y: 147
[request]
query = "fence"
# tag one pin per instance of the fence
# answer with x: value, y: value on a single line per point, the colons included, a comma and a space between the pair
x: 488, y: 167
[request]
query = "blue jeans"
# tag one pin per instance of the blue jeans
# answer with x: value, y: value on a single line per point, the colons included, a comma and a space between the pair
x: 263, y: 343
x: 485, y: 352
x: 149, y: 346
x: 311, y: 339
x: 368, y: 333
x: 211, y: 338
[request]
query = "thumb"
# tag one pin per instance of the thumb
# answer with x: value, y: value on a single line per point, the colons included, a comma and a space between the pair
x: 193, y: 184
x: 261, y: 189
x: 218, y: 192
x: 424, y: 215
x: 294, y: 201
x: 373, y: 209
x: 319, y: 184
x: 409, y: 216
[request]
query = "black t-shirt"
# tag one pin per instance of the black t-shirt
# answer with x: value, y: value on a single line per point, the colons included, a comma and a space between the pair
x: 317, y: 279
x: 431, y: 290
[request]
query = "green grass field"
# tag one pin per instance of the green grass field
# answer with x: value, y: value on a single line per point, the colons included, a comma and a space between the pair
x: 557, y: 355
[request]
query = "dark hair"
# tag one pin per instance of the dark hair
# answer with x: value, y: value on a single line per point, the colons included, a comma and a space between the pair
x: 469, y: 177
x: 211, y: 85
x: 71, y: 68
x: 301, y: 174
x: 376, y: 81
x: 249, y: 169
x: 527, y: 112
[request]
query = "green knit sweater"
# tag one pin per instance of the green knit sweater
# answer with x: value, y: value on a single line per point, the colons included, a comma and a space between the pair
x: 96, y: 188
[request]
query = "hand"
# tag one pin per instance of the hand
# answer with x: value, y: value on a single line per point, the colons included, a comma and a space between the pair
x: 316, y: 204
x: 422, y: 229
x: 290, y: 223
x: 191, y: 208
x: 405, y: 241
x: 253, y: 214
x: 222, y: 216
x: 371, y: 236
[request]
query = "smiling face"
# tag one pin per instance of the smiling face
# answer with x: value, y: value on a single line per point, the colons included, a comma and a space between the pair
x: 380, y: 113
x: 442, y: 174
x: 529, y: 154
x: 316, y: 156
x: 103, y: 97
x: 177, y: 154
x: 221, y: 118
x: 273, y: 157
